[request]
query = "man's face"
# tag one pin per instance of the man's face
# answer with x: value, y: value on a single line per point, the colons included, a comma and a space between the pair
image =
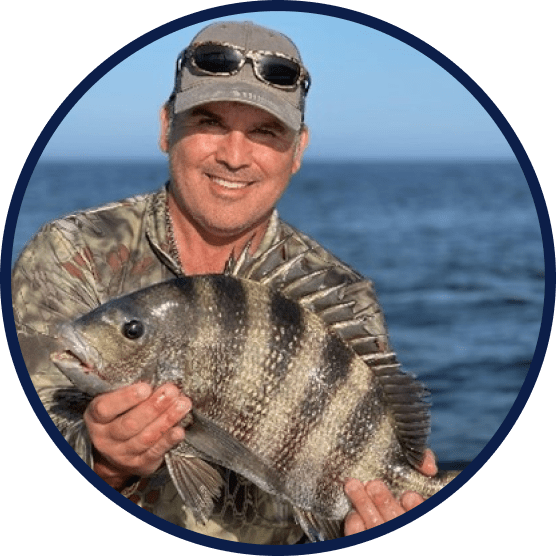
x: 229, y: 165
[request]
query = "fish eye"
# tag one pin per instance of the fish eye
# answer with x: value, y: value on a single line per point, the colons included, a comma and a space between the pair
x: 133, y: 329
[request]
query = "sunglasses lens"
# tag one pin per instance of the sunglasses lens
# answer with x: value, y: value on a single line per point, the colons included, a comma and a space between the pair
x: 279, y: 71
x: 216, y: 58
x: 221, y: 59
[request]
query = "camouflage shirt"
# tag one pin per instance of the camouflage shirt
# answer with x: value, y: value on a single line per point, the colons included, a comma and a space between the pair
x: 78, y: 262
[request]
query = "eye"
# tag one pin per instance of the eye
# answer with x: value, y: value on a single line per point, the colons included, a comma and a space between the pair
x: 210, y: 122
x: 266, y: 131
x: 133, y: 329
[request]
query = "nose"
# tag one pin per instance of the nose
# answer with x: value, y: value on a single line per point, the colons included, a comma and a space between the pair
x: 234, y: 150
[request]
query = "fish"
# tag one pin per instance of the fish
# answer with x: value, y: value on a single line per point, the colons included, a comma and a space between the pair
x: 288, y: 389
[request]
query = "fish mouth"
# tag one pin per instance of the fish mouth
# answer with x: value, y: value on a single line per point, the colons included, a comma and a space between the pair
x: 79, y: 362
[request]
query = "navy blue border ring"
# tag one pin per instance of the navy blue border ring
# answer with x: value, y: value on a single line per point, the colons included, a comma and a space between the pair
x: 417, y: 44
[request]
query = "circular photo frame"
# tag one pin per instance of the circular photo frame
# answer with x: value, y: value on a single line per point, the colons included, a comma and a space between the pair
x: 515, y: 149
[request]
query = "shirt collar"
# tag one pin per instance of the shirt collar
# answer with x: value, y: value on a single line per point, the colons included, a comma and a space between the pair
x: 157, y: 232
x: 159, y: 237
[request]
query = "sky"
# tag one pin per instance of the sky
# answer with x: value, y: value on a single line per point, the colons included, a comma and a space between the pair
x: 372, y: 97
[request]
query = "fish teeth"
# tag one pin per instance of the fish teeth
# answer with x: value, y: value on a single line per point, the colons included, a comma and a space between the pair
x: 76, y: 347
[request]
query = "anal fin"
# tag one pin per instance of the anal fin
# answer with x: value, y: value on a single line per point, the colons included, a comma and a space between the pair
x: 317, y: 528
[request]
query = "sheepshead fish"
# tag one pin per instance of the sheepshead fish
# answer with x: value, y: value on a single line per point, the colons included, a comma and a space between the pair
x: 284, y: 391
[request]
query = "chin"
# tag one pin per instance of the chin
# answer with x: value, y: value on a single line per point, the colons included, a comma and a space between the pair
x: 230, y: 230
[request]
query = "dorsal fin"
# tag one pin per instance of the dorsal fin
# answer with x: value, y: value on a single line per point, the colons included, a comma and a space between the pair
x: 329, y: 289
x: 233, y: 265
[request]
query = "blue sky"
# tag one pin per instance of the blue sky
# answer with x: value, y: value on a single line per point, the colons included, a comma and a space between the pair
x: 373, y: 97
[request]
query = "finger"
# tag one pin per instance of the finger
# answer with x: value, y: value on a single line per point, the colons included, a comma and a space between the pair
x: 156, y: 433
x: 410, y: 500
x: 107, y: 407
x: 428, y: 467
x: 384, y: 500
x: 153, y: 457
x: 353, y: 524
x: 135, y: 421
x: 363, y: 504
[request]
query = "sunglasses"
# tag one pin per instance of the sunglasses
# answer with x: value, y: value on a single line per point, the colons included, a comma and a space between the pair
x: 272, y: 68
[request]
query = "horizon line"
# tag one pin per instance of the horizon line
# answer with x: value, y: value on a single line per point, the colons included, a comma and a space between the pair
x: 308, y: 159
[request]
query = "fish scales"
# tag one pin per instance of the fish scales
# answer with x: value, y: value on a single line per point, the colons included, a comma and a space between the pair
x: 274, y: 367
x: 349, y: 449
x: 277, y: 333
x: 335, y: 460
x: 323, y: 408
x: 258, y: 354
x: 223, y: 337
x: 279, y: 395
x: 291, y: 390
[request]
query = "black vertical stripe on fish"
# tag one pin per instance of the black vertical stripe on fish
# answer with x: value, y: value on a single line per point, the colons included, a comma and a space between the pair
x: 186, y: 285
x: 358, y: 432
x: 285, y: 338
x: 319, y: 392
x: 336, y: 360
x: 286, y: 319
x: 228, y: 319
x: 231, y: 303
x: 233, y: 321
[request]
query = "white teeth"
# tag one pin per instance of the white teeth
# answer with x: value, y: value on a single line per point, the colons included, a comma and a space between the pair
x: 230, y: 184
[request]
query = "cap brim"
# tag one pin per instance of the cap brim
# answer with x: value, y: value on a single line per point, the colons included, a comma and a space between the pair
x: 246, y: 93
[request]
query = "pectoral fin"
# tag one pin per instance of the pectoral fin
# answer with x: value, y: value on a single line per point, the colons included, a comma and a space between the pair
x: 218, y: 446
x: 197, y: 482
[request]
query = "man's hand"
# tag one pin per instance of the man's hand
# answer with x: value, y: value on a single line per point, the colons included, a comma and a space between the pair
x: 373, y: 504
x: 132, y: 428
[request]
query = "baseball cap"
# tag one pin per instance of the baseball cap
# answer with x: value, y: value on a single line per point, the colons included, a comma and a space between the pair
x: 194, y: 87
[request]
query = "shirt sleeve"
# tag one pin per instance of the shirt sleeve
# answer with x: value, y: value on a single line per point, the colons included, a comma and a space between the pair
x: 52, y: 281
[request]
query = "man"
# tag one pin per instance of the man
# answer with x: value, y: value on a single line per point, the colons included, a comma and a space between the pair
x: 234, y: 133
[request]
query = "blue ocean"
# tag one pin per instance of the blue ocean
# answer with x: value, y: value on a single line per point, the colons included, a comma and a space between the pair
x: 454, y: 250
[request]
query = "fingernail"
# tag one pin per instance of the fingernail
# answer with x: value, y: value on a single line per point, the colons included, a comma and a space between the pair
x: 374, y: 487
x: 177, y: 434
x: 410, y: 500
x: 166, y: 392
x: 142, y: 391
x: 351, y: 485
x: 183, y: 405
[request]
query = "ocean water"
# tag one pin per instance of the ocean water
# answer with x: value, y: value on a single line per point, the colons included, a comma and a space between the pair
x: 454, y: 250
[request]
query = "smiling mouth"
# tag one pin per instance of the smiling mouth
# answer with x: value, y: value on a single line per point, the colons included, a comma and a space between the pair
x: 228, y: 184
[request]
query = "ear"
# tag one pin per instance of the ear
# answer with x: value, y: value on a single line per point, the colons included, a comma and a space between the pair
x: 302, y: 144
x: 164, y: 128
